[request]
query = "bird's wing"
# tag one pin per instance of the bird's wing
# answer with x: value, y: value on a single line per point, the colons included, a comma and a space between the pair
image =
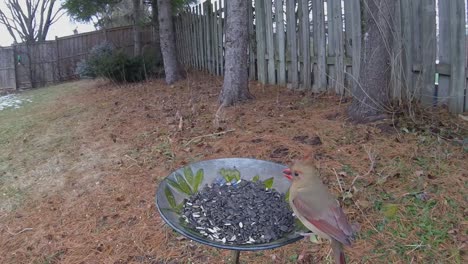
x: 331, y: 221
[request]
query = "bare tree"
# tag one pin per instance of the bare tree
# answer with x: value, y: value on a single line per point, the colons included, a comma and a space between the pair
x: 236, y: 85
x: 29, y: 20
x: 371, y: 97
x: 172, y: 67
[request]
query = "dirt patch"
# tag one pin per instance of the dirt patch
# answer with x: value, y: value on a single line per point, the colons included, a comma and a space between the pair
x: 126, y: 139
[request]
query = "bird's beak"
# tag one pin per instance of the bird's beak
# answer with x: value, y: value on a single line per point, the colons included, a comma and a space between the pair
x: 288, y: 174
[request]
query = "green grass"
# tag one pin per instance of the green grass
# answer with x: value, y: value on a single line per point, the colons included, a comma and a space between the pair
x: 30, y: 136
x: 415, y: 227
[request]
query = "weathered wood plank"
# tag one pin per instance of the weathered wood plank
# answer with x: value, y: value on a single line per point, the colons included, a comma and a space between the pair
x: 458, y: 56
x: 223, y: 32
x: 206, y: 31
x: 281, y: 42
x: 320, y: 83
x: 305, y: 45
x: 270, y: 47
x: 201, y: 38
x: 335, y: 46
x: 407, y: 40
x: 444, y: 50
x: 252, y: 46
x: 348, y: 35
x: 220, y: 32
x: 428, y: 38
x: 260, y: 36
x: 214, y: 36
x: 416, y: 46
x: 183, y: 25
x: 396, y: 56
x: 197, y: 37
x: 215, y: 39
x: 192, y: 37
x: 211, y: 38
x: 293, y: 76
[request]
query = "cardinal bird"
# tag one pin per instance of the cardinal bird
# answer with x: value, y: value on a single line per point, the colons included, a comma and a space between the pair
x: 316, y: 208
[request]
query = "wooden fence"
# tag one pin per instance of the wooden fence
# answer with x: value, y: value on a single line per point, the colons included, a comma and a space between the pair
x: 25, y: 66
x: 7, y: 69
x: 316, y: 45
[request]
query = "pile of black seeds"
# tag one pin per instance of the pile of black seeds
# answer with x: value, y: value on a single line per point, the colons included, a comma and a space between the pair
x: 245, y: 213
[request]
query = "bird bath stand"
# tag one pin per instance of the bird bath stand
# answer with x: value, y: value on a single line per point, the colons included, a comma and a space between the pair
x: 181, y: 183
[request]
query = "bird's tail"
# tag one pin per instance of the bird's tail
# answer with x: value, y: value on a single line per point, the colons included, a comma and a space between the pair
x: 338, y: 252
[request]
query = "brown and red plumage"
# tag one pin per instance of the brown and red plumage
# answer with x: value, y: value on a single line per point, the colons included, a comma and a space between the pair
x: 317, y: 208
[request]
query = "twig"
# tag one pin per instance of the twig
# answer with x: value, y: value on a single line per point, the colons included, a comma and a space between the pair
x: 23, y: 230
x: 338, y: 180
x: 365, y: 217
x: 208, y: 135
x: 371, y: 155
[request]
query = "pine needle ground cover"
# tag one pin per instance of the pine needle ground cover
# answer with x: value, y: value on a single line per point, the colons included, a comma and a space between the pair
x: 80, y: 164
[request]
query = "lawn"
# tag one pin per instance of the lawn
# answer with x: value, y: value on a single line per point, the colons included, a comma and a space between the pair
x: 80, y: 164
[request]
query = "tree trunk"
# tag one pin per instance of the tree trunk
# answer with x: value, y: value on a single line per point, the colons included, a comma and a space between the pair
x: 236, y: 86
x: 172, y: 67
x: 136, y: 28
x: 155, y: 22
x: 371, y: 97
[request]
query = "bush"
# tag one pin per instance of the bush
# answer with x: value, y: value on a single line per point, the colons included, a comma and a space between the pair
x: 120, y: 67
x: 105, y: 61
x: 84, y: 70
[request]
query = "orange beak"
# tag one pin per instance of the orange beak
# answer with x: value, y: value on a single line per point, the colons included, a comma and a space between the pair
x: 288, y: 174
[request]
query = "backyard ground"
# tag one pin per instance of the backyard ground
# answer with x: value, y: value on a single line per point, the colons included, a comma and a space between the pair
x: 80, y: 164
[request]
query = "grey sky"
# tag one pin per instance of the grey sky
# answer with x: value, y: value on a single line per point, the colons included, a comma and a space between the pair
x: 62, y: 27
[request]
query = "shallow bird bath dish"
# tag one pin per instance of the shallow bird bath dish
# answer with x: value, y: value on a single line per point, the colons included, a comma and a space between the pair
x: 182, y: 183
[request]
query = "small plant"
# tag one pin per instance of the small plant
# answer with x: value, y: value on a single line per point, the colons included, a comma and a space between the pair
x: 105, y: 61
x: 84, y: 70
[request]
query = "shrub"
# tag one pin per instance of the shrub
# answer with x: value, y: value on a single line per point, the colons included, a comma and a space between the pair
x: 120, y: 67
x: 105, y: 61
x: 84, y: 70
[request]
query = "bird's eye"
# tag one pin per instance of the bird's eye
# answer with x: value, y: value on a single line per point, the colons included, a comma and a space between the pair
x: 296, y: 174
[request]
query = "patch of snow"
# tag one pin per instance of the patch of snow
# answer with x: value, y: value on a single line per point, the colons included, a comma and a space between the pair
x: 12, y: 101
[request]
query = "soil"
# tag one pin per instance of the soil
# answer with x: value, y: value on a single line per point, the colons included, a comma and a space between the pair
x: 126, y: 139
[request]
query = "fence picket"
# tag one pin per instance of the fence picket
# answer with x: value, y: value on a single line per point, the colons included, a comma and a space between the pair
x: 252, y: 43
x: 279, y: 12
x: 270, y: 48
x: 458, y: 57
x: 320, y: 83
x: 306, y: 69
x: 260, y: 36
x: 428, y: 40
x: 293, y: 76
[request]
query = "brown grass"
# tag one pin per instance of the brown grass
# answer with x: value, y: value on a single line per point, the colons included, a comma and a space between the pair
x: 127, y: 139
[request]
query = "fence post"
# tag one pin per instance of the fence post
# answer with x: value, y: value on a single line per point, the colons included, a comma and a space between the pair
x: 458, y: 57
x: 207, y: 10
x: 15, y: 63
x: 58, y: 58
